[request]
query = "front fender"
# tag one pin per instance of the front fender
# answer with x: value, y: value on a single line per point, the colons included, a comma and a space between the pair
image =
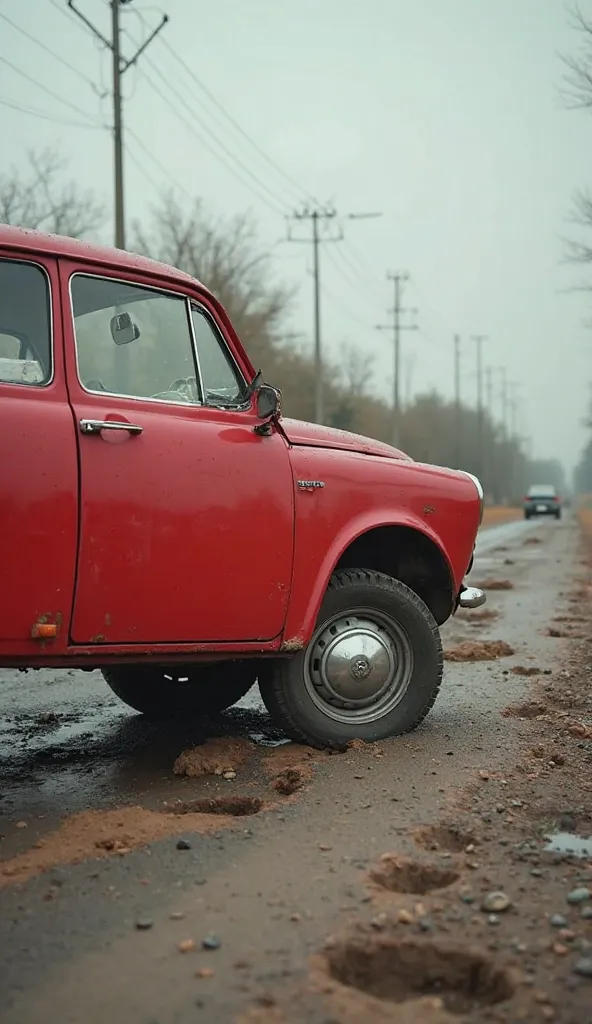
x: 328, y: 518
x: 311, y: 575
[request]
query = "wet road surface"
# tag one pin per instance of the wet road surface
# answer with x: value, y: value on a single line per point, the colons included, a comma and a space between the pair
x: 270, y: 884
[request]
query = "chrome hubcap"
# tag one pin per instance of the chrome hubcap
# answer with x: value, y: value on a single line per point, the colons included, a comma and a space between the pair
x: 358, y: 666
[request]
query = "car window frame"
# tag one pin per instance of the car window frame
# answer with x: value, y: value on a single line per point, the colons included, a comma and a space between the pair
x: 50, y: 313
x: 238, y: 406
x: 131, y: 283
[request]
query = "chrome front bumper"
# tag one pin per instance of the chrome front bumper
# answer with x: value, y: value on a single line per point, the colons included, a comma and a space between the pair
x: 471, y: 597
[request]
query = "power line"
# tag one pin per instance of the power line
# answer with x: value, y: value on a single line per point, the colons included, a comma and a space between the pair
x: 45, y: 116
x: 44, y: 88
x: 157, y: 163
x: 255, y: 145
x: 47, y: 49
x: 265, y: 194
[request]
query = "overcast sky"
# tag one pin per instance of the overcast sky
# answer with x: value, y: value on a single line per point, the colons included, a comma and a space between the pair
x: 442, y: 115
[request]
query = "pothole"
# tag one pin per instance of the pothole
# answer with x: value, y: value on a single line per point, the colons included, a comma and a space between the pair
x: 494, y: 584
x: 288, y: 781
x: 443, y: 837
x: 399, y: 970
x: 238, y: 806
x: 404, y: 875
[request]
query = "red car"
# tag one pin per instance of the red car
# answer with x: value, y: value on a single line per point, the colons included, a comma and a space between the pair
x: 161, y: 520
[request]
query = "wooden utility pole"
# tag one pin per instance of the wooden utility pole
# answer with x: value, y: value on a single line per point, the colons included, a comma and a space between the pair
x: 119, y: 67
x: 396, y: 327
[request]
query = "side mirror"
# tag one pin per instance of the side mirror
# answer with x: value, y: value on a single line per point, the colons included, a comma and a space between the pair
x: 268, y: 402
x: 123, y: 329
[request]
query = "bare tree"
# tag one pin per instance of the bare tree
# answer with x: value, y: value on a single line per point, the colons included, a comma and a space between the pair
x: 226, y: 256
x: 38, y: 197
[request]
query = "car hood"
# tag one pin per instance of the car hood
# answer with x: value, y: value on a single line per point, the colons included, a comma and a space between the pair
x: 314, y: 435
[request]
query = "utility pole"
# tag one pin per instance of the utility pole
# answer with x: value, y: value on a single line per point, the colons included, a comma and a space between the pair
x: 492, y: 432
x: 457, y: 405
x: 119, y: 67
x: 479, y: 339
x: 317, y: 217
x: 396, y: 327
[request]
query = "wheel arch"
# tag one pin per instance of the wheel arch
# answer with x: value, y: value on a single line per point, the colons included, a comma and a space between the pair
x: 405, y: 550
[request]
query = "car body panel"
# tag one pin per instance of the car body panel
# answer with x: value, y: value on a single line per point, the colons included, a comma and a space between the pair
x: 203, y: 536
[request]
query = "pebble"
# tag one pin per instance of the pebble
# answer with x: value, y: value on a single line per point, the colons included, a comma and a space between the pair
x: 558, y: 921
x: 578, y: 895
x: 211, y: 942
x: 586, y: 913
x: 493, y: 919
x: 186, y: 946
x: 426, y: 924
x: 143, y: 924
x: 204, y: 972
x: 183, y: 844
x: 583, y: 967
x: 405, y: 917
x: 496, y: 902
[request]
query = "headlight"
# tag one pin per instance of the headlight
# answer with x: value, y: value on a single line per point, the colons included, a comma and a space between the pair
x: 479, y: 489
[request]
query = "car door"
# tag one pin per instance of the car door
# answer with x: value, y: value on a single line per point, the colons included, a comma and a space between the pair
x: 186, y: 529
x: 38, y: 460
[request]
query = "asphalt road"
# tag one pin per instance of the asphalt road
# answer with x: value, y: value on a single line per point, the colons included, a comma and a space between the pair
x: 269, y: 885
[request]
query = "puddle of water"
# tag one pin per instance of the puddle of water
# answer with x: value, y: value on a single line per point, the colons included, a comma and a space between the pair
x: 566, y: 842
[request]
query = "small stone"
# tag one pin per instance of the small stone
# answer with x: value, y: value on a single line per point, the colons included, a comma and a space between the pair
x: 586, y: 913
x: 186, y: 945
x: 559, y: 949
x: 467, y: 897
x: 426, y: 924
x: 183, y: 844
x: 558, y: 921
x: 204, y: 972
x: 583, y: 967
x: 578, y: 895
x: 143, y: 924
x: 496, y: 902
x: 547, y: 1013
x: 295, y: 917
x: 405, y: 917
x: 493, y: 919
x: 177, y: 915
x: 325, y: 848
x: 21, y: 824
x: 379, y: 921
x: 211, y: 942
x: 229, y: 775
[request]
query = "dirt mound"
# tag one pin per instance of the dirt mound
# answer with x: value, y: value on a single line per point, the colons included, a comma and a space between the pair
x: 526, y: 670
x: 402, y: 874
x: 478, y: 615
x: 528, y: 709
x: 399, y: 970
x: 213, y: 758
x: 533, y: 540
x: 288, y: 781
x: 450, y: 838
x: 474, y: 650
x: 494, y: 584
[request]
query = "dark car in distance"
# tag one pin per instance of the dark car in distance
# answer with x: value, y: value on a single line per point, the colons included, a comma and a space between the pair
x: 542, y: 500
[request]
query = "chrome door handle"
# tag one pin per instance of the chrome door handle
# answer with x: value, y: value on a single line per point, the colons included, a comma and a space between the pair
x: 96, y: 426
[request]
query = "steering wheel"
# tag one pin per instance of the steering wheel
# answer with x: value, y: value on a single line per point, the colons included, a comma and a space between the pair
x: 179, y: 391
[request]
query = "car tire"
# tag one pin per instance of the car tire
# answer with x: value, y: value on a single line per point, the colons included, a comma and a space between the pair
x: 372, y: 632
x: 169, y: 692
x: 558, y: 515
x: 527, y: 515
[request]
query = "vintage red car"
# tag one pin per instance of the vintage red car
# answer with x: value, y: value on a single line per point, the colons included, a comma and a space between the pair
x: 161, y: 520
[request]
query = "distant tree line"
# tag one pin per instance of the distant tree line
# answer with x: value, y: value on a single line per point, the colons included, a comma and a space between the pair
x: 225, y: 254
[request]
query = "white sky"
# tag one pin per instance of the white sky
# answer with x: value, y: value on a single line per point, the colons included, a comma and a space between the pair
x: 444, y: 115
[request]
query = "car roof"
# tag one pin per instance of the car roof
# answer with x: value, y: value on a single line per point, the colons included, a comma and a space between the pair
x: 73, y: 248
x: 542, y: 488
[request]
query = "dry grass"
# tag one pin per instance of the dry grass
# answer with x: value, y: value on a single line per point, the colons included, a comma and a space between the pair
x: 496, y: 514
x: 584, y: 514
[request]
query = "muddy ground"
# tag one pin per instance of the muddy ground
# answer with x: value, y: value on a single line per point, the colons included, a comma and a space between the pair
x: 408, y: 881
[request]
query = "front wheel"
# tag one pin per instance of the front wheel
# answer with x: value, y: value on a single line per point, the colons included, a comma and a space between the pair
x: 372, y: 669
x: 168, y: 692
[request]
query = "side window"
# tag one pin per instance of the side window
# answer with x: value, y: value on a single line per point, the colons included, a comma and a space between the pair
x: 221, y: 380
x: 133, y: 341
x: 25, y: 324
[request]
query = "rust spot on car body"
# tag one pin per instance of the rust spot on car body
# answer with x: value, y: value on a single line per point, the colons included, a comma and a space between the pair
x: 295, y: 644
